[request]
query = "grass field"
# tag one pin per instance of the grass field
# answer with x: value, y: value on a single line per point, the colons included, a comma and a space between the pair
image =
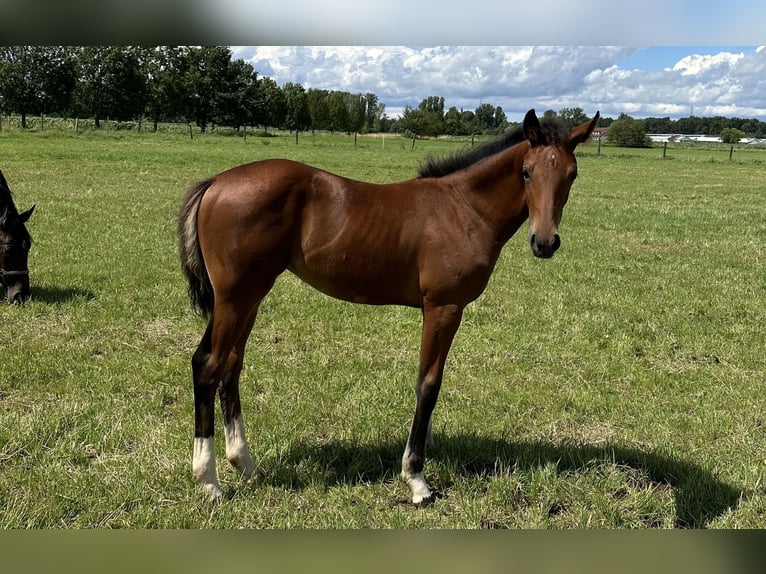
x: 618, y: 385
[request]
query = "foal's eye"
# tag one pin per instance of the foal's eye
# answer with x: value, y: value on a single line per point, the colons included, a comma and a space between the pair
x: 525, y: 173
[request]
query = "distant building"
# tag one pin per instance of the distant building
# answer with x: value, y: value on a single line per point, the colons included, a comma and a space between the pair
x: 598, y: 133
x: 662, y: 138
x: 698, y: 138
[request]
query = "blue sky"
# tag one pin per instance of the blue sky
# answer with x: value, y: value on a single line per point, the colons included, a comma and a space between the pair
x: 645, y: 81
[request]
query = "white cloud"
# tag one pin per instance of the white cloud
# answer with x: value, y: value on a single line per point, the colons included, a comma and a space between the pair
x: 521, y: 77
x: 696, y: 64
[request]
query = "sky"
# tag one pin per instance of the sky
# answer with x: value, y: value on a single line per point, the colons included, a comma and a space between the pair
x: 651, y: 81
x: 641, y: 57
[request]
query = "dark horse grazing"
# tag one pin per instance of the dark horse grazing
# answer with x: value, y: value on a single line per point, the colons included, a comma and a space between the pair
x: 15, y: 244
x: 430, y: 242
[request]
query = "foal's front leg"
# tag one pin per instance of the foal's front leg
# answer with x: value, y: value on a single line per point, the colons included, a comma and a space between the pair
x: 440, y: 323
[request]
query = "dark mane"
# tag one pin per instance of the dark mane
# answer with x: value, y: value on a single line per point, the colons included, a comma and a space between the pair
x: 8, y: 210
x: 461, y: 159
x: 7, y: 207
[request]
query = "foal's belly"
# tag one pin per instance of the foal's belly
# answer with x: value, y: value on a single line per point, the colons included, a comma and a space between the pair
x: 365, y: 280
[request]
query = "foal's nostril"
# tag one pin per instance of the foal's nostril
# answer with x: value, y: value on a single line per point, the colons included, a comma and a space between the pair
x: 544, y: 250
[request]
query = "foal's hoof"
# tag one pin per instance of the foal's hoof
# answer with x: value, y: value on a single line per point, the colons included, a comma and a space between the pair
x: 424, y: 502
x: 213, y: 492
x: 253, y: 475
x: 421, y: 494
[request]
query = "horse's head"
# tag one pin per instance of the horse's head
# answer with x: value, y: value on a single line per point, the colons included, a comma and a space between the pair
x: 549, y: 169
x: 15, y: 243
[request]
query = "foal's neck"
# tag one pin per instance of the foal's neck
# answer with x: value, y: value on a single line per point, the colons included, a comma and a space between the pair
x: 495, y: 188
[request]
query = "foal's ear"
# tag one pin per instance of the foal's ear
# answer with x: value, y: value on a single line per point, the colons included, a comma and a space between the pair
x: 532, y: 129
x: 24, y: 217
x: 582, y: 132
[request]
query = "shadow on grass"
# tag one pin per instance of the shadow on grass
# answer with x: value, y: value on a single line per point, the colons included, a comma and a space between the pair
x: 699, y: 496
x: 54, y: 295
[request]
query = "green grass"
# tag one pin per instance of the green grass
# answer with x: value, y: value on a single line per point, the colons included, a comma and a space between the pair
x: 618, y: 385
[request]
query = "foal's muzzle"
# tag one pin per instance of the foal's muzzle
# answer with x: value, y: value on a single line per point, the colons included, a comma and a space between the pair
x: 544, y: 250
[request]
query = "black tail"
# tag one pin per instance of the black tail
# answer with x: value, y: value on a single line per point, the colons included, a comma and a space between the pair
x: 200, y: 288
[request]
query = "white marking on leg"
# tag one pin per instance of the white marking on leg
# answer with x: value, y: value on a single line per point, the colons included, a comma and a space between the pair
x: 237, y: 451
x: 418, y: 486
x: 415, y: 480
x: 203, y: 467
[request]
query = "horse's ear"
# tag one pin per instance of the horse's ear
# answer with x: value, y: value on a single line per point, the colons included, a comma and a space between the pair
x: 26, y: 215
x: 581, y: 133
x: 532, y: 129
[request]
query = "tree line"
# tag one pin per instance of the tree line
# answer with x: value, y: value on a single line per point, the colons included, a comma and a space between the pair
x: 204, y: 86
x: 197, y: 85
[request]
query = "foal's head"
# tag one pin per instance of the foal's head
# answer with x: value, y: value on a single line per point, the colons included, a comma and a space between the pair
x: 549, y: 170
x: 15, y: 243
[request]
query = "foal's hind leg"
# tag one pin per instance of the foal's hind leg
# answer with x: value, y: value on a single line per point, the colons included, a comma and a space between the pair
x: 205, y: 382
x: 209, y: 365
x: 237, y: 451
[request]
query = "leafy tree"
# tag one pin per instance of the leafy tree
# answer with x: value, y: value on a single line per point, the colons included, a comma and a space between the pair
x: 374, y: 111
x: 111, y: 83
x: 571, y: 117
x: 469, y: 120
x: 319, y: 110
x: 340, y: 119
x: 628, y: 132
x: 453, y: 123
x: 659, y: 125
x: 432, y: 111
x: 690, y: 125
x: 235, y: 105
x: 413, y: 122
x: 387, y: 125
x: 36, y: 79
x: 484, y: 118
x: 501, y: 120
x: 731, y: 135
x: 207, y: 80
x: 297, y: 116
x: 167, y: 97
x: 357, y: 112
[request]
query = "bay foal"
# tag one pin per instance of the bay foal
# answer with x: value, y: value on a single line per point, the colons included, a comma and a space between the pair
x: 429, y: 242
